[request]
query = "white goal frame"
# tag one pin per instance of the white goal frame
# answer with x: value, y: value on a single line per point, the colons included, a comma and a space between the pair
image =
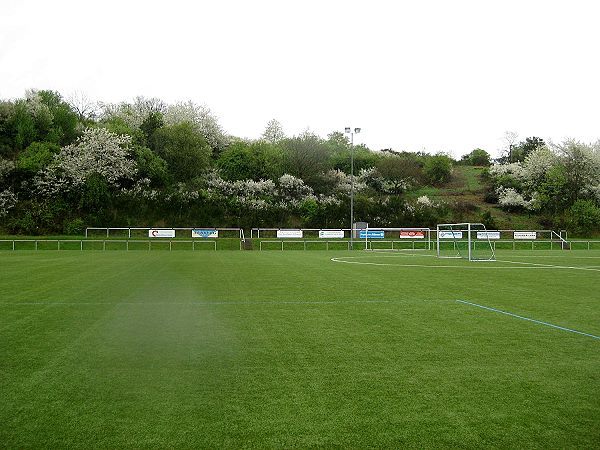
x: 469, y: 228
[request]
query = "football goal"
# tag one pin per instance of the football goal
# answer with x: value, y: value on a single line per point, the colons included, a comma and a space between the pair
x: 470, y: 241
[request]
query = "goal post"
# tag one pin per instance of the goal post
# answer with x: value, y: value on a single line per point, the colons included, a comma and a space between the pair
x: 467, y: 240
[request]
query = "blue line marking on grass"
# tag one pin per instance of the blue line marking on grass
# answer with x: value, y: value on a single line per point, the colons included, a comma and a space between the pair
x: 528, y: 319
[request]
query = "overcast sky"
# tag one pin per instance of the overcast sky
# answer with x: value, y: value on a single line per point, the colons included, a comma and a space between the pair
x: 439, y: 75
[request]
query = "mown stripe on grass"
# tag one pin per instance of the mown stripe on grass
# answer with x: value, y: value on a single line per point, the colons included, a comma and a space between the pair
x: 283, y: 302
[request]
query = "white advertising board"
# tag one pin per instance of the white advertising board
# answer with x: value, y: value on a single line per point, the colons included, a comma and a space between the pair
x: 412, y: 234
x: 450, y: 234
x: 161, y: 233
x: 205, y: 233
x: 488, y: 235
x: 331, y: 234
x: 529, y: 235
x: 289, y: 234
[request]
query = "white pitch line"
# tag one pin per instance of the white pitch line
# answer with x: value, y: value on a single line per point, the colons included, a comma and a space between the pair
x: 527, y: 265
x: 473, y: 267
x: 528, y: 319
x: 551, y: 266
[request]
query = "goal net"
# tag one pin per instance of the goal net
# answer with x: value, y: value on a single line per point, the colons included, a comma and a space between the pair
x: 470, y: 241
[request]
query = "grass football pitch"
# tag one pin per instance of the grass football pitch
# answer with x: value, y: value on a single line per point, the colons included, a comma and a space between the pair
x: 298, y: 349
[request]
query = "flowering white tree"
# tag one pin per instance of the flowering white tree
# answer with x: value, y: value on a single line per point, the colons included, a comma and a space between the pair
x: 201, y: 117
x: 293, y: 188
x: 341, y: 182
x: 6, y: 166
x: 133, y: 114
x: 8, y: 200
x: 273, y: 132
x: 582, y: 167
x: 513, y: 170
x: 99, y: 152
x: 538, y: 163
x: 511, y: 199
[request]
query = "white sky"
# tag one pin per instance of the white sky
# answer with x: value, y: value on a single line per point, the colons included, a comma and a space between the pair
x: 438, y: 75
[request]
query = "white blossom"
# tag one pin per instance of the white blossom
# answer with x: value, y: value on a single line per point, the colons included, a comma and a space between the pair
x: 538, y: 163
x: 201, y: 117
x: 292, y: 188
x: 98, y: 151
x: 342, y: 182
x: 425, y: 201
x: 514, y: 170
x: 134, y: 114
x: 510, y: 198
x: 6, y: 166
x: 8, y: 200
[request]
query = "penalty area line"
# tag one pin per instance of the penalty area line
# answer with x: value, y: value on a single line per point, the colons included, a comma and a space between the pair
x: 528, y: 319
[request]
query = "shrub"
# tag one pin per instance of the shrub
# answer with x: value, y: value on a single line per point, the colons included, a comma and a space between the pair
x: 438, y: 169
x: 74, y: 227
x: 584, y: 217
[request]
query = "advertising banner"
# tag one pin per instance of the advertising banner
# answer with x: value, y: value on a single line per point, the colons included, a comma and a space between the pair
x: 289, y: 234
x: 205, y: 233
x: 488, y: 235
x: 161, y: 233
x: 450, y: 234
x: 529, y: 235
x: 331, y: 234
x: 372, y: 234
x: 412, y: 234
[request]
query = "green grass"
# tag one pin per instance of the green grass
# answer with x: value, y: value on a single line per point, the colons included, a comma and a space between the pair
x: 292, y: 350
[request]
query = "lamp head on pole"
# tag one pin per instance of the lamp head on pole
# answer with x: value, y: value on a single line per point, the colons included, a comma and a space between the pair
x: 348, y: 130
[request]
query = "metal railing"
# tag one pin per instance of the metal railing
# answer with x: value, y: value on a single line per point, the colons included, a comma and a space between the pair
x: 102, y: 244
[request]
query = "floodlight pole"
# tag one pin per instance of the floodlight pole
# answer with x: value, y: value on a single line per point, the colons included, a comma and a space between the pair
x: 348, y: 130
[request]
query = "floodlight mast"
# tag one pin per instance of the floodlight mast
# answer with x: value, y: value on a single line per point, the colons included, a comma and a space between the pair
x: 348, y: 130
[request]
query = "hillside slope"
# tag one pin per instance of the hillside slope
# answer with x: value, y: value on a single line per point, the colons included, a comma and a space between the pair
x: 465, y: 194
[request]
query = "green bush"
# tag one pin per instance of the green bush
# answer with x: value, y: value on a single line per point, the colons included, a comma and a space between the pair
x: 583, y: 217
x: 438, y: 169
x: 74, y: 227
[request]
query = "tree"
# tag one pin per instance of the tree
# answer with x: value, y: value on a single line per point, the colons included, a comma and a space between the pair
x: 363, y: 158
x: 399, y: 172
x: 274, y: 132
x: 305, y: 156
x: 184, y: 149
x: 524, y: 148
x: 510, y: 137
x: 251, y: 161
x: 98, y: 152
x: 582, y: 167
x: 438, y: 168
x: 477, y: 157
x: 37, y: 156
x: 151, y: 123
x: 584, y: 217
x: 63, y: 129
x: 202, y: 120
x: 151, y: 166
x: 86, y: 109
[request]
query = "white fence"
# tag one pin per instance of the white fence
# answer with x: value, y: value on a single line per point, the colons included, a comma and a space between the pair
x: 270, y: 244
x: 142, y: 232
